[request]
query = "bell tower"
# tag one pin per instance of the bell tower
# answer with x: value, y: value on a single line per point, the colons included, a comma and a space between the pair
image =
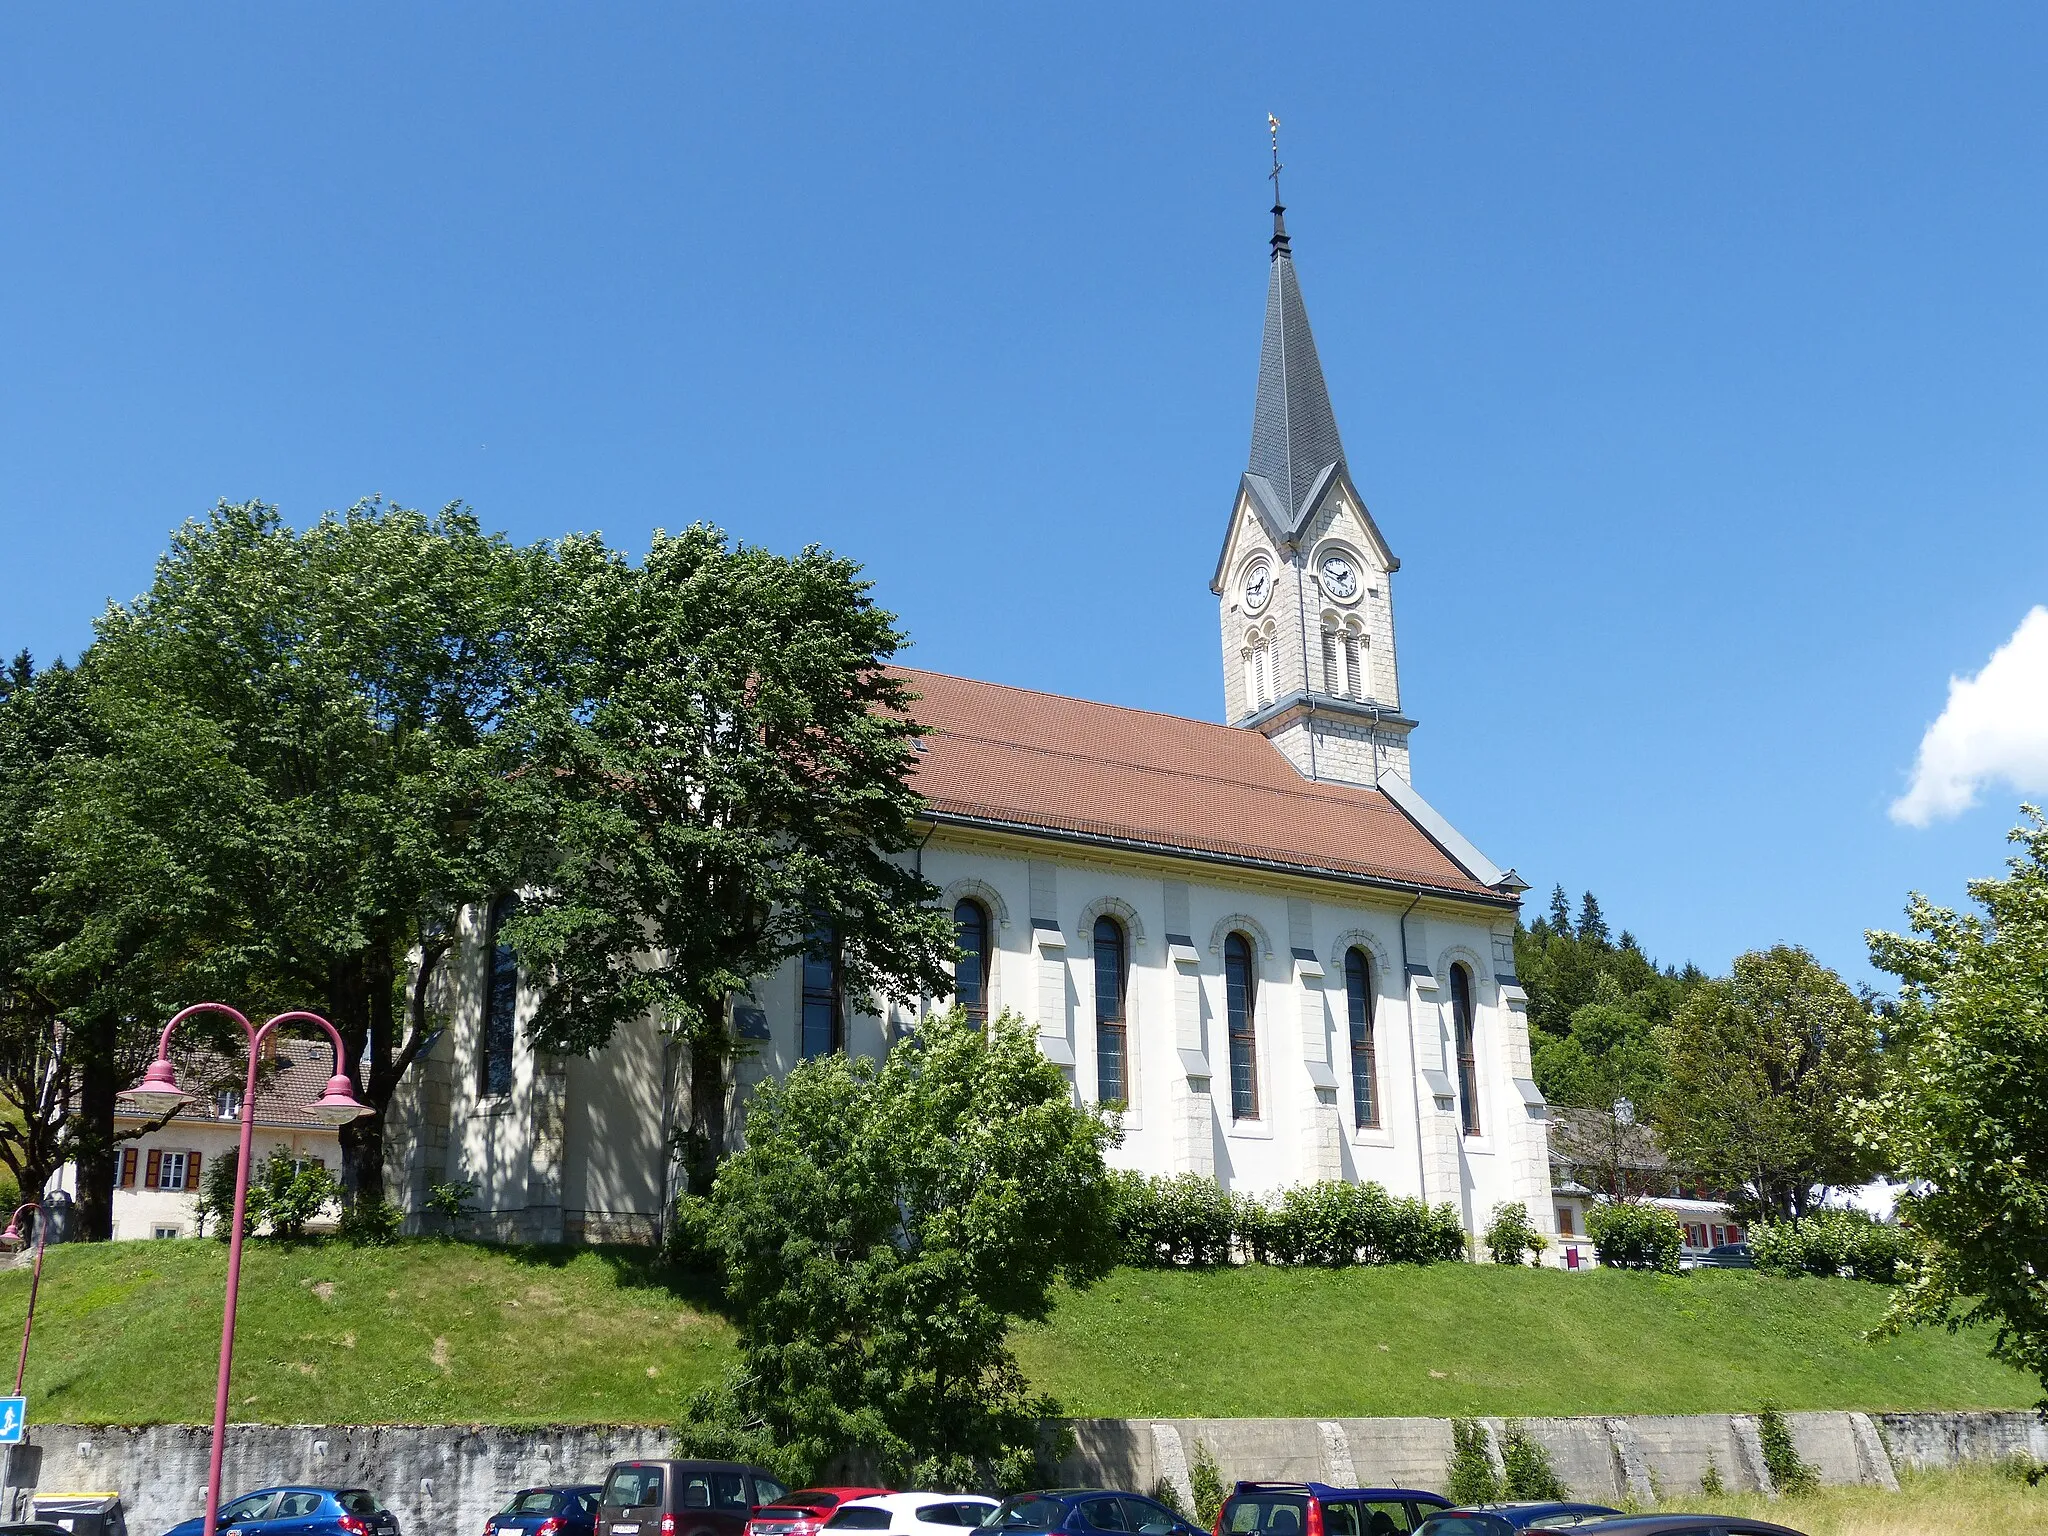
x: 1304, y: 582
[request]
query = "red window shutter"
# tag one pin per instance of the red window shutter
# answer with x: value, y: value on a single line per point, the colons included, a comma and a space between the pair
x: 191, y: 1170
x: 128, y: 1168
x: 156, y: 1163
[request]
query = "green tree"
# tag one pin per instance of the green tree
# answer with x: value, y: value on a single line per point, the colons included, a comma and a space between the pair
x: 1768, y: 1073
x: 306, y: 772
x: 1965, y: 1119
x: 1609, y: 1060
x: 881, y: 1233
x: 731, y: 762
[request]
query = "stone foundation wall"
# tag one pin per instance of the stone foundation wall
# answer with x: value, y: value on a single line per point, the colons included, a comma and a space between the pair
x: 446, y: 1480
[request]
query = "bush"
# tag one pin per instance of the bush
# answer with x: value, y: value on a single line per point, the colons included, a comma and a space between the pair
x: 293, y: 1191
x: 1337, y: 1224
x: 1529, y: 1472
x: 1781, y: 1456
x: 370, y: 1223
x: 216, y: 1201
x: 1163, y: 1492
x: 1470, y: 1477
x: 454, y: 1203
x: 1829, y: 1243
x: 1185, y: 1222
x: 1629, y: 1234
x: 1513, y: 1234
x: 1206, y: 1478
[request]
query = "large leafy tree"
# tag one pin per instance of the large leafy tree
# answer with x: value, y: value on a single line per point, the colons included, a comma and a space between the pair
x: 729, y: 763
x: 1767, y: 1073
x: 305, y: 773
x: 1965, y: 1120
x: 880, y: 1234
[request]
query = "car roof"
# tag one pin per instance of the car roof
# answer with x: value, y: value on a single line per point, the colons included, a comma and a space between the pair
x: 911, y: 1496
x: 1650, y: 1525
x: 1325, y: 1491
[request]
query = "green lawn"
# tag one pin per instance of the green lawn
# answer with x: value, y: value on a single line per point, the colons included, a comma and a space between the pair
x: 455, y: 1332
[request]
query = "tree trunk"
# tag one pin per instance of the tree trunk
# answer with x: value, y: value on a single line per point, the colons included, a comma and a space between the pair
x: 362, y: 1140
x: 98, y: 1069
x: 704, y: 1144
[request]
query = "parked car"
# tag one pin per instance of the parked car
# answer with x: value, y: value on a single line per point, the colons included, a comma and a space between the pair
x: 1083, y: 1511
x: 548, y: 1512
x: 1726, y: 1256
x: 683, y: 1498
x: 1316, y: 1509
x: 1501, y: 1519
x: 804, y: 1512
x: 919, y: 1514
x: 33, y: 1528
x: 299, y: 1511
x: 1689, y: 1525
x: 80, y: 1514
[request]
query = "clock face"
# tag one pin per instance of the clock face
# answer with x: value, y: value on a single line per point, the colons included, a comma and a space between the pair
x: 1258, y: 586
x: 1340, y: 576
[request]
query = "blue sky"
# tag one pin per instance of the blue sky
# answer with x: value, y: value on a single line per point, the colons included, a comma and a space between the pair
x: 1693, y: 361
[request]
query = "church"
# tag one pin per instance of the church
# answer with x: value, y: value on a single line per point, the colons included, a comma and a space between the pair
x: 1256, y: 939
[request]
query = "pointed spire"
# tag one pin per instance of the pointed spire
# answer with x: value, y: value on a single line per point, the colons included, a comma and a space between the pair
x: 1294, y: 429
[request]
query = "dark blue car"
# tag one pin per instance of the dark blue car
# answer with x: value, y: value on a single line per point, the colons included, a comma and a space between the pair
x: 548, y: 1512
x: 1501, y: 1519
x: 1086, y: 1511
x: 299, y: 1511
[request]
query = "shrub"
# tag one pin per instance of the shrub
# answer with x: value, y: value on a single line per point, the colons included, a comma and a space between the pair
x: 454, y: 1203
x: 1337, y: 1223
x: 370, y: 1223
x: 1781, y: 1456
x: 1163, y: 1492
x: 1206, y: 1478
x: 1710, y: 1480
x: 1184, y: 1221
x: 1830, y: 1242
x: 216, y: 1202
x: 1530, y: 1474
x: 294, y: 1191
x: 1470, y: 1477
x: 1629, y: 1234
x: 1513, y: 1234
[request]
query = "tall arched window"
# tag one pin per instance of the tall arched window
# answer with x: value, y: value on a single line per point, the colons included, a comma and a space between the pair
x: 1112, y: 1064
x: 821, y: 1028
x: 1365, y: 1104
x: 501, y: 1005
x: 1468, y: 1060
x: 1333, y: 662
x: 970, y: 972
x: 1354, y: 653
x: 1240, y: 986
x: 1259, y: 672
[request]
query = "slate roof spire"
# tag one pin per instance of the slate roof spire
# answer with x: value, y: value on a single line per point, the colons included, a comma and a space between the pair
x: 1294, y: 430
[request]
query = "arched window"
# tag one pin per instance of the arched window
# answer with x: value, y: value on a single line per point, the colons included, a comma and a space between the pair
x: 1240, y: 986
x: 970, y: 972
x: 501, y: 1005
x: 1333, y: 662
x: 821, y: 1028
x: 1365, y: 1104
x: 1468, y: 1060
x: 1259, y: 668
x: 1112, y: 1064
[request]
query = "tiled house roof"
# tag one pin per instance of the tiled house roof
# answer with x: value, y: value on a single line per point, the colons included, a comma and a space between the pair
x: 1018, y: 759
x: 286, y: 1090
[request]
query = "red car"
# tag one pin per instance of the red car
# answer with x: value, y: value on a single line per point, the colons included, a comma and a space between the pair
x: 804, y: 1512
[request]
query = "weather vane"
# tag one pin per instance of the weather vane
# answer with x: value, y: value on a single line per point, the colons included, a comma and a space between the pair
x: 1273, y: 126
x: 1279, y: 210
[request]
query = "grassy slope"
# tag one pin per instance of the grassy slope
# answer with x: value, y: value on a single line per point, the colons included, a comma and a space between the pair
x: 1927, y: 1504
x: 1474, y: 1338
x: 432, y: 1331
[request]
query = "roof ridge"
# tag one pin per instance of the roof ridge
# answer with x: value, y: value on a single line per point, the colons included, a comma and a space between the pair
x: 1071, y: 698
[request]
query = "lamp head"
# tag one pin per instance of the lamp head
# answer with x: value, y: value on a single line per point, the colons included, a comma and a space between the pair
x: 159, y: 1090
x: 11, y: 1239
x: 339, y: 1104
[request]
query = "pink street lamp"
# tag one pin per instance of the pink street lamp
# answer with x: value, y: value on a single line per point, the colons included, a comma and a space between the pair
x: 159, y: 1091
x: 12, y: 1239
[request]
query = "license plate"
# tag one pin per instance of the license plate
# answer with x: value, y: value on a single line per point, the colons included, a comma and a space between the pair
x: 626, y: 1530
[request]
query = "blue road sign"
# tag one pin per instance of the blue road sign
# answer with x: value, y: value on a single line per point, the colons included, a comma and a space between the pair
x: 13, y: 1419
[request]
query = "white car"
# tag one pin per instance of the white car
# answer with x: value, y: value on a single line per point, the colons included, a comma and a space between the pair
x: 924, y: 1514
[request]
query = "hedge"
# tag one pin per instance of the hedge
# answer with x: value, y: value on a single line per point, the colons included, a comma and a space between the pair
x: 1191, y: 1221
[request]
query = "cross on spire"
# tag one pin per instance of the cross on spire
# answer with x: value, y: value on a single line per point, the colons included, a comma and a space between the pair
x: 1280, y: 247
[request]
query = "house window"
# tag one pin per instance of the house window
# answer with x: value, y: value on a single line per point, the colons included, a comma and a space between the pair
x: 1468, y: 1061
x: 970, y: 971
x: 160, y: 1231
x: 1734, y: 1233
x: 1365, y: 1108
x: 1564, y: 1221
x: 1720, y: 1235
x: 821, y: 1014
x: 165, y: 1170
x: 227, y: 1104
x: 1111, y: 1064
x: 501, y: 1004
x: 1240, y: 988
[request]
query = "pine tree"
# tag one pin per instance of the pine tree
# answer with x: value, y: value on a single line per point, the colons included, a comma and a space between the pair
x: 1560, y: 912
x: 1592, y: 926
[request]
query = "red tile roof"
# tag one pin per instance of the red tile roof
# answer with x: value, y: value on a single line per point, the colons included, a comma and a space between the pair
x: 1100, y: 772
x: 285, y: 1095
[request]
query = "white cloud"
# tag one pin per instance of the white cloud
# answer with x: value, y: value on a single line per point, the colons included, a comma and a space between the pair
x: 1994, y: 728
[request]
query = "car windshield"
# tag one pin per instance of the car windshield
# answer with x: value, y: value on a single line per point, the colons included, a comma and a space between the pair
x: 250, y: 1506
x: 858, y: 1517
x: 535, y: 1501
x: 1029, y: 1512
x: 1266, y: 1514
x: 633, y: 1487
x: 1465, y: 1525
x: 360, y: 1501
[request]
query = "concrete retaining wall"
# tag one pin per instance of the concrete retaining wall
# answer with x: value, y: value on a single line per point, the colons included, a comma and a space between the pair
x: 447, y: 1480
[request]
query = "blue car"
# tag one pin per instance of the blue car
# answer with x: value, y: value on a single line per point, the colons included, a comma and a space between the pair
x: 548, y: 1512
x: 1503, y: 1519
x: 299, y: 1511
x: 1086, y: 1511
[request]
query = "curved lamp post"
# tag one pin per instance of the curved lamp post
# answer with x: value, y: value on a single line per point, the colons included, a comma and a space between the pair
x: 12, y: 1239
x: 159, y: 1091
